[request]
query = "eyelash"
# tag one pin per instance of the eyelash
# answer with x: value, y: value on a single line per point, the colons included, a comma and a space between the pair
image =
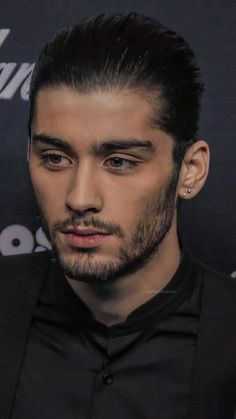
x: 54, y: 166
x: 47, y: 163
x: 132, y: 164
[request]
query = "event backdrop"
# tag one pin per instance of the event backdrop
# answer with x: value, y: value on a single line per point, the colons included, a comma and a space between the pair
x: 207, y: 223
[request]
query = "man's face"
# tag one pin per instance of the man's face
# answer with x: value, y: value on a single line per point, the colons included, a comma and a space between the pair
x: 104, y: 180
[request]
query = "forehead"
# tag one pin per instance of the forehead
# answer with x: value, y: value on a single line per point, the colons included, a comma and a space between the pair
x: 65, y: 113
x: 85, y: 106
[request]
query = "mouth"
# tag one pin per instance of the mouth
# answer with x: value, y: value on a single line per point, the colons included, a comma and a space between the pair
x: 85, y: 238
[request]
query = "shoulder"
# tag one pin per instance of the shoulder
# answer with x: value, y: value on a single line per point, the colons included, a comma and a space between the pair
x: 220, y: 278
x: 217, y: 278
x: 16, y: 265
x: 22, y: 259
x: 218, y: 289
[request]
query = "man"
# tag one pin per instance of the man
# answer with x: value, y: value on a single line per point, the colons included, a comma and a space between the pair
x: 118, y: 321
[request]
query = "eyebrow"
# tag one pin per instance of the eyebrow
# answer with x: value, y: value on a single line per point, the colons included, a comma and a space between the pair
x: 98, y: 148
x: 46, y: 139
x: 122, y: 144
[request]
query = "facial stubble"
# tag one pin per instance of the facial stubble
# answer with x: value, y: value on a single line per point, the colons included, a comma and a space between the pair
x: 154, y: 221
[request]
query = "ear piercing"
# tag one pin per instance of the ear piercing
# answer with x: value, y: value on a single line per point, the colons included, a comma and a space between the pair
x: 188, y: 190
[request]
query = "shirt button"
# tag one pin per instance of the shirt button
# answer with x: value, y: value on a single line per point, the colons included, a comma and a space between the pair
x: 107, y: 378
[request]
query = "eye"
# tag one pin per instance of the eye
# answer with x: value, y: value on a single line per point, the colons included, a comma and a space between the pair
x: 121, y: 164
x: 54, y: 160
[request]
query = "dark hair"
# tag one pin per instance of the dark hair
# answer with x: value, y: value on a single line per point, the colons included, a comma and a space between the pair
x: 132, y: 52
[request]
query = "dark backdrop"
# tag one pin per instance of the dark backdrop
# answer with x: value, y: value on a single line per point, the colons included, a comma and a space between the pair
x: 207, y: 223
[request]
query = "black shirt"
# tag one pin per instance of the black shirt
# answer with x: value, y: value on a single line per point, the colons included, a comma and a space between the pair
x: 76, y: 367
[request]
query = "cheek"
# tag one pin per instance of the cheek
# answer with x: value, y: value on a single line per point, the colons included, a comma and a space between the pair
x: 49, y: 196
x: 126, y: 209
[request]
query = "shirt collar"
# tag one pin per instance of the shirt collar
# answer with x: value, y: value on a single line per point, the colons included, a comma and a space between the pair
x: 67, y: 308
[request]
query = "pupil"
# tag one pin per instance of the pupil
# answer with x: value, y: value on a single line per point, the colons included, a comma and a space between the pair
x: 56, y: 159
x: 117, y: 161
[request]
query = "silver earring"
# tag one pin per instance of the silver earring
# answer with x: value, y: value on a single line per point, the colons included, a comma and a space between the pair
x: 188, y: 190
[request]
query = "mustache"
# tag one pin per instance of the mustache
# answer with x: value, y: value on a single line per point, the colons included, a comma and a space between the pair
x: 75, y: 221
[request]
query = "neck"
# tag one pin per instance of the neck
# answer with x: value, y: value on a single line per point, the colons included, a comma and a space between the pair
x: 111, y: 303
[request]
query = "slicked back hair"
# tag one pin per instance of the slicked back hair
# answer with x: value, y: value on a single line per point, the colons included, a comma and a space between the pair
x: 131, y: 52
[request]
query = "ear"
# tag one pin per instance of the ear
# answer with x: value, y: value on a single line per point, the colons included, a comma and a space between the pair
x: 194, y: 170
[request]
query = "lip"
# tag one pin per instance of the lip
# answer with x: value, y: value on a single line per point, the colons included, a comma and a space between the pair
x: 83, y: 231
x: 85, y: 238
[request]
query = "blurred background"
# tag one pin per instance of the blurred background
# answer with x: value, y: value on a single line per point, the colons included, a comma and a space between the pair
x: 207, y: 224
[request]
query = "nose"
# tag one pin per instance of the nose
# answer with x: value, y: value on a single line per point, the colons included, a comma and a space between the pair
x: 84, y: 193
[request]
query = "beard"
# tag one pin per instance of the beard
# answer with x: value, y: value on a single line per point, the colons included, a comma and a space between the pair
x: 153, y: 222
